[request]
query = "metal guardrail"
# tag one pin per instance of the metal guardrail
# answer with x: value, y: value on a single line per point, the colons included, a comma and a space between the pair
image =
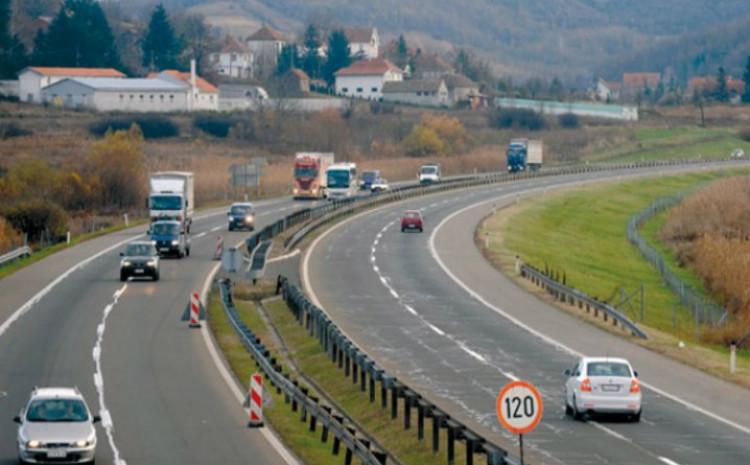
x: 367, y: 373
x: 257, y: 266
x: 15, y: 254
x: 296, y: 395
x: 704, y: 311
x: 578, y: 298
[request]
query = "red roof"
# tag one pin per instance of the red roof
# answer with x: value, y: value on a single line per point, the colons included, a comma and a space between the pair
x: 201, y: 83
x: 266, y: 34
x: 359, y: 35
x: 77, y: 72
x: 639, y: 80
x: 376, y: 67
x: 709, y: 84
x: 299, y: 74
x: 232, y: 45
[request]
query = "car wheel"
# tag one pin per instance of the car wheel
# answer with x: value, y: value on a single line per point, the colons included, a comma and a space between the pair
x: 123, y: 276
x: 568, y: 409
x: 230, y: 228
x: 21, y: 461
x: 156, y: 276
x: 402, y: 229
x: 187, y: 251
x: 636, y: 418
x: 421, y: 230
x: 576, y: 414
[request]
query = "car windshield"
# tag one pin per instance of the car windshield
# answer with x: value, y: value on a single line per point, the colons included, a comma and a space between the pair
x: 165, y: 229
x: 369, y: 176
x: 139, y: 250
x: 429, y: 170
x: 338, y: 178
x: 608, y: 369
x: 241, y: 210
x: 305, y: 172
x: 54, y: 410
x: 411, y: 215
x: 165, y: 202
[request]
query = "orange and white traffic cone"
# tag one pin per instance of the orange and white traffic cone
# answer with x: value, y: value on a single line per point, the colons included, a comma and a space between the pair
x: 194, y: 311
x: 254, y: 401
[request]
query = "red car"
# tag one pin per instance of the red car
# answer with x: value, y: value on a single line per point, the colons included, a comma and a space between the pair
x: 412, y: 220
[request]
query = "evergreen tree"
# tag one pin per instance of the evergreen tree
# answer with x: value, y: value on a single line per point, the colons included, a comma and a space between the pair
x: 79, y: 35
x: 722, y: 92
x: 288, y: 59
x: 311, y: 61
x: 12, y: 51
x: 161, y: 47
x: 746, y: 78
x: 402, y: 52
x: 338, y: 55
x: 5, y: 15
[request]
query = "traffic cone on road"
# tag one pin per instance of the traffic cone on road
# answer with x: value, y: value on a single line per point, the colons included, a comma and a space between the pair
x: 194, y: 311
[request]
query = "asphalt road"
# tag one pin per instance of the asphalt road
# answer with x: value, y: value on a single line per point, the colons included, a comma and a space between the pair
x: 434, y: 312
x: 126, y: 349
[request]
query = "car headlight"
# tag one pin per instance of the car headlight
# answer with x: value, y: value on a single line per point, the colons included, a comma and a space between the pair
x: 81, y: 443
x: 296, y: 191
x: 33, y: 444
x: 151, y: 263
x: 249, y: 219
x: 126, y: 263
x: 175, y: 242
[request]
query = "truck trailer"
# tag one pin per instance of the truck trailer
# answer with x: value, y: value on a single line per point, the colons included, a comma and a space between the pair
x: 524, y: 155
x: 171, y: 197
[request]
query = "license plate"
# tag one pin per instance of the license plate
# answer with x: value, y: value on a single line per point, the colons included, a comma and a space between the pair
x: 164, y: 249
x: 412, y: 226
x: 139, y: 271
x: 57, y: 454
x: 610, y: 388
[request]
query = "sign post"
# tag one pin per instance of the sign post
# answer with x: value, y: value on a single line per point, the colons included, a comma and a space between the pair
x: 519, y: 409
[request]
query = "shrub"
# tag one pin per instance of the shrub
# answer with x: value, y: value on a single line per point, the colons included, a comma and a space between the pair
x: 422, y: 141
x: 217, y: 126
x: 568, y: 121
x: 152, y: 126
x: 519, y: 118
x: 9, y: 130
x: 744, y: 134
x: 35, y: 217
x: 9, y: 237
x: 450, y: 131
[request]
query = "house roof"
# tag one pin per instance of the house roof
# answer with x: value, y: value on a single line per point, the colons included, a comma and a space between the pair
x: 634, y: 80
x: 75, y: 72
x: 128, y: 84
x: 232, y: 45
x: 611, y: 85
x: 201, y: 83
x: 453, y: 81
x: 431, y: 63
x: 376, y: 67
x: 710, y: 82
x: 412, y: 85
x: 266, y: 34
x: 359, y: 35
x: 299, y: 74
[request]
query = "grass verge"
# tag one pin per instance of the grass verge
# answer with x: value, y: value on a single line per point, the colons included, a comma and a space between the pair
x: 583, y: 234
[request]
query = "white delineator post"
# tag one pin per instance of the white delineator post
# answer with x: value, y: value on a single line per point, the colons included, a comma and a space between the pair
x: 255, y: 417
x: 195, y: 310
x: 219, y: 248
x: 733, y: 358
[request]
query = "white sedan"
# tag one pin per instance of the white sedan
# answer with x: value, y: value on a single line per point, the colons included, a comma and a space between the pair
x: 603, y: 385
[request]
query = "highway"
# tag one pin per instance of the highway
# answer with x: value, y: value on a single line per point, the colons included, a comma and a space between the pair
x: 68, y: 320
x: 429, y: 308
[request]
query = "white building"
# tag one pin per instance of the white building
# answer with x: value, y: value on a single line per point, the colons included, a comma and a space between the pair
x: 364, y: 42
x: 423, y: 92
x: 115, y: 94
x: 365, y: 79
x: 608, y: 91
x: 265, y: 44
x: 203, y: 95
x: 234, y: 59
x: 33, y: 79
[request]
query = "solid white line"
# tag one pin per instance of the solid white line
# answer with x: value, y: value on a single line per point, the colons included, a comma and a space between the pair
x: 545, y: 338
x: 39, y: 295
x: 436, y: 329
x: 230, y: 381
x: 291, y: 254
x: 107, y: 422
x: 668, y: 461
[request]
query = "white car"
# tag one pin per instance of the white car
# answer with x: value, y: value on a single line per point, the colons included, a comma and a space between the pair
x: 56, y: 426
x: 603, y: 385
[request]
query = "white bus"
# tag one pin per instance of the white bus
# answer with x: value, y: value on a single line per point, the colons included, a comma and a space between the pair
x: 341, y: 181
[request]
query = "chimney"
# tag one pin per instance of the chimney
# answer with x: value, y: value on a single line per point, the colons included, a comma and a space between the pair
x: 193, y: 87
x: 192, y: 74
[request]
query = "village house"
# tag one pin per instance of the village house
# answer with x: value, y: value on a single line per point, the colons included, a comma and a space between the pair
x: 265, y: 45
x: 708, y: 84
x: 364, y: 42
x: 115, y: 94
x: 423, y: 92
x: 462, y: 91
x: 430, y: 66
x: 202, y: 94
x: 33, y: 79
x: 637, y: 84
x: 233, y: 60
x: 293, y: 83
x: 365, y: 79
x: 607, y: 91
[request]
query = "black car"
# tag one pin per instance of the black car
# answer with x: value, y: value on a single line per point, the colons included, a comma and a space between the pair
x: 241, y: 216
x: 139, y: 260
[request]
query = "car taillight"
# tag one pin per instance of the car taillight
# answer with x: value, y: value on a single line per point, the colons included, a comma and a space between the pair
x: 585, y: 385
x: 635, y: 388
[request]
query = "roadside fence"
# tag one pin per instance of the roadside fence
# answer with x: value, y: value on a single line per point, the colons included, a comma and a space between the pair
x: 703, y: 310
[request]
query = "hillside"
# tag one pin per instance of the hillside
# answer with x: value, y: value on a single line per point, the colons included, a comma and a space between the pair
x: 564, y: 37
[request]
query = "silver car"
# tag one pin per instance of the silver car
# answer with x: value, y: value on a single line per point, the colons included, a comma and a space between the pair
x: 603, y: 385
x: 56, y: 426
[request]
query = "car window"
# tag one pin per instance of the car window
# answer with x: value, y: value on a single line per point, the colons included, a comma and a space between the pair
x: 57, y: 410
x: 411, y: 215
x: 429, y: 170
x: 165, y: 229
x: 241, y: 210
x: 608, y: 369
x: 139, y: 250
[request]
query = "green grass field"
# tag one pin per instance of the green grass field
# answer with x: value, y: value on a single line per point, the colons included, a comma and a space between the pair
x: 583, y: 234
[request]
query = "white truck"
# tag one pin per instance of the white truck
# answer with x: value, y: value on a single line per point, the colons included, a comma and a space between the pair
x: 429, y: 173
x: 535, y: 154
x: 171, y: 197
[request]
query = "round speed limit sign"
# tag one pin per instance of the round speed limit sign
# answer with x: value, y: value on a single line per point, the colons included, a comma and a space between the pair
x: 519, y: 407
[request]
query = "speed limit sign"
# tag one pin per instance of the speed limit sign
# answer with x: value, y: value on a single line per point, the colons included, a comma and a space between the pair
x: 519, y: 407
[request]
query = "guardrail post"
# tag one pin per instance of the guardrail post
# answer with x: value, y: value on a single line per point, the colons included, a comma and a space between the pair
x: 363, y: 376
x: 303, y: 414
x: 324, y: 433
x: 395, y: 391
x: 346, y: 362
x: 336, y: 438
x: 380, y: 457
x: 422, y: 406
x: 313, y: 418
x: 437, y: 422
x: 354, y: 368
x: 384, y: 381
x: 294, y: 401
x: 409, y: 398
x: 451, y: 447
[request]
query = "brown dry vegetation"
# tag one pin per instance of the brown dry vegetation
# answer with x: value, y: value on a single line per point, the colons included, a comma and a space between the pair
x: 710, y: 232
